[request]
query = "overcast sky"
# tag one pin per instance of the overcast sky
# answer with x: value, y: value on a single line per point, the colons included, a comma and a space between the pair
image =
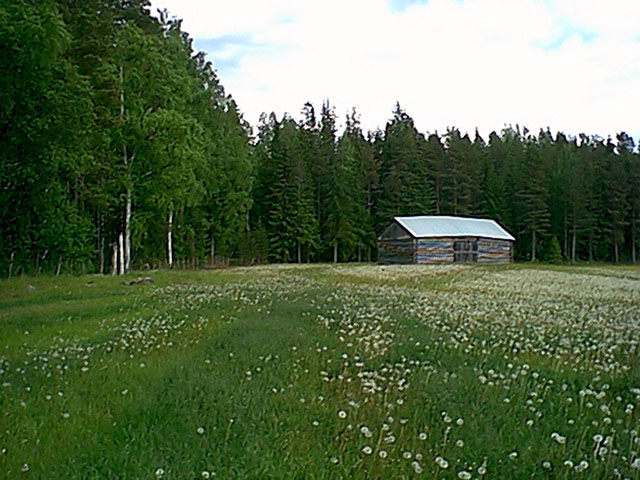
x: 572, y: 65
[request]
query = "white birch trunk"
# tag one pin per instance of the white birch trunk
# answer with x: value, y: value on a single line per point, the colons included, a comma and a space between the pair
x: 120, y: 254
x: 127, y: 233
x: 170, y: 240
x: 335, y: 252
x: 114, y: 260
x: 13, y: 255
x: 126, y: 251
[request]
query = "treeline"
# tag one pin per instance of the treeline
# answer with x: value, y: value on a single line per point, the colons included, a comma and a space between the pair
x: 320, y: 196
x: 120, y: 149
x: 118, y: 146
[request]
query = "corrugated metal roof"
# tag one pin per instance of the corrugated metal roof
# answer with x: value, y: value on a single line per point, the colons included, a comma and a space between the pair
x: 443, y: 226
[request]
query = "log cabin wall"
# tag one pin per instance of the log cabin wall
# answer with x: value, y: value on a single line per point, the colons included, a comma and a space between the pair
x: 395, y: 246
x: 434, y: 250
x: 494, y: 251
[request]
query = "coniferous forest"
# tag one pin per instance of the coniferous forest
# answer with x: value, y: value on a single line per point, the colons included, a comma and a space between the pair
x: 120, y: 149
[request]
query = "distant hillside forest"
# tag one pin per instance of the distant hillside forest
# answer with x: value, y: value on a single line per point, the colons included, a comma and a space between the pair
x: 119, y: 149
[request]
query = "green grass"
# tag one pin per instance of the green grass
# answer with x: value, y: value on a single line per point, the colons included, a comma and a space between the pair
x: 300, y: 372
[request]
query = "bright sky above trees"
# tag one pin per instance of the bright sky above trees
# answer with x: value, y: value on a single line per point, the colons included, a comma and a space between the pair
x: 572, y: 66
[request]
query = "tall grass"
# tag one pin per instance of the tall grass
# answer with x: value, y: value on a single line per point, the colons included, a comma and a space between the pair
x: 323, y: 372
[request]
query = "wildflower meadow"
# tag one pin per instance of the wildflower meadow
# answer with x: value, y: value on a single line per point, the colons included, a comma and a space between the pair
x: 323, y: 372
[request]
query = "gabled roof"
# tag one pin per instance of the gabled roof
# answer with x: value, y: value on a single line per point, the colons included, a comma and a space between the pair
x: 442, y: 226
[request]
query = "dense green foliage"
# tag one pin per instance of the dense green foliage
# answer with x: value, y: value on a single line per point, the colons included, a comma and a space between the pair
x: 563, y: 199
x: 323, y: 372
x: 111, y: 126
x: 119, y: 149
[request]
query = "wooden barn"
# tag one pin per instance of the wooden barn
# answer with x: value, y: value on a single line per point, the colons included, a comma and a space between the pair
x: 443, y: 239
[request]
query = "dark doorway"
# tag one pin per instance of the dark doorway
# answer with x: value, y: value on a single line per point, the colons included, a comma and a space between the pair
x: 465, y: 251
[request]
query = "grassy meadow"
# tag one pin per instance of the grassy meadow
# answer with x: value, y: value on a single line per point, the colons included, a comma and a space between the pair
x: 323, y: 372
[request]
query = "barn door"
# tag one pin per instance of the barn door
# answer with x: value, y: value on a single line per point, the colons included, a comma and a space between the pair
x: 465, y: 251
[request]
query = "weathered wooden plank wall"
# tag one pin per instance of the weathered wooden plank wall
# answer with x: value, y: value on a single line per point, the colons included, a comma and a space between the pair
x: 395, y: 251
x: 494, y: 251
x: 440, y: 250
x: 434, y: 250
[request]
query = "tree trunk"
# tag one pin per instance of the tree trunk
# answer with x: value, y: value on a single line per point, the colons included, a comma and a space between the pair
x: 100, y: 245
x: 299, y: 252
x: 590, y: 247
x: 565, y: 236
x: 121, y: 262
x: 127, y: 232
x: 212, y: 251
x: 359, y: 254
x: 126, y: 252
x: 13, y: 255
x: 633, y: 240
x: 44, y: 255
x: 335, y: 252
x: 615, y: 251
x: 170, y: 240
x: 533, y: 245
x: 573, y: 245
x: 114, y: 260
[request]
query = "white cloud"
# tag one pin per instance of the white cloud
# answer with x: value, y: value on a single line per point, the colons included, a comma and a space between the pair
x: 573, y: 66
